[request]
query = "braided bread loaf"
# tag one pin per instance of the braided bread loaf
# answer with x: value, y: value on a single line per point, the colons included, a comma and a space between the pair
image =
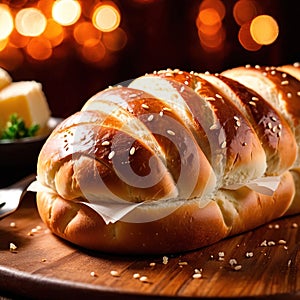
x: 175, y: 161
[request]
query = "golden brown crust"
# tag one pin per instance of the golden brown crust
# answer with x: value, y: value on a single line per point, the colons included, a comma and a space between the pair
x: 188, y: 227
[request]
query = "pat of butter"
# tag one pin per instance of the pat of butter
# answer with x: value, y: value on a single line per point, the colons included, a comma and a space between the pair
x: 5, y: 79
x: 26, y: 99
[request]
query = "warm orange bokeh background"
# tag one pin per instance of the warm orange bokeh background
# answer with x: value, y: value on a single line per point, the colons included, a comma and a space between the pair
x: 75, y: 61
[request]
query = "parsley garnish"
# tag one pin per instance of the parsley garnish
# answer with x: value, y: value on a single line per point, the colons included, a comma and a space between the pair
x: 15, y: 129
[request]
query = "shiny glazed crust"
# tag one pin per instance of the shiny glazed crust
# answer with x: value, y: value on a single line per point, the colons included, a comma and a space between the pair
x: 187, y: 138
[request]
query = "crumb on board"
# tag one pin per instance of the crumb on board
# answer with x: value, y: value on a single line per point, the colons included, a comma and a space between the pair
x: 114, y: 273
x: 13, y: 248
x: 165, y: 260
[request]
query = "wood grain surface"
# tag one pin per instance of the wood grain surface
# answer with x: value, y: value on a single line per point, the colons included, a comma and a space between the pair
x: 260, y: 264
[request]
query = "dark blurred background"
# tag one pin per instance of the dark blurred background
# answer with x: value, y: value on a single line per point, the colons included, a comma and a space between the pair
x: 151, y: 35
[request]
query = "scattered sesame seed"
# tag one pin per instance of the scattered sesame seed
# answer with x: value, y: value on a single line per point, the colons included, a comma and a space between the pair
x: 248, y: 66
x: 136, y: 275
x: 294, y: 225
x: 44, y: 259
x: 271, y: 243
x: 249, y: 254
x: 285, y: 82
x: 219, y: 96
x: 152, y: 264
x: 12, y: 224
x: 145, y: 106
x: 111, y: 154
x: 214, y: 126
x: 166, y: 109
x: 269, y: 125
x: 283, y: 75
x: 150, y: 118
x: 296, y: 64
x: 144, y: 278
x: 211, y: 99
x: 257, y: 66
x: 273, y: 118
x: 237, y: 267
x: 232, y: 261
x: 264, y: 243
x: 252, y: 103
x: 183, y: 263
x: 273, y: 72
x: 289, y: 263
x: 223, y: 145
x: 289, y: 95
x: 298, y: 93
x: 244, y: 144
x: 197, y: 275
x: 276, y: 226
x: 254, y: 98
x: 221, y: 254
x: 105, y: 143
x: 186, y: 82
x: 161, y: 113
x: 170, y: 132
x: 282, y: 242
x: 165, y: 260
x: 133, y: 95
x: 197, y: 271
x: 93, y: 274
x: 12, y: 247
x: 238, y: 123
x: 132, y: 150
x: 114, y: 273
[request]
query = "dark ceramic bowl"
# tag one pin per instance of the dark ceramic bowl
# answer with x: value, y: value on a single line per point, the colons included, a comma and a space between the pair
x: 19, y: 157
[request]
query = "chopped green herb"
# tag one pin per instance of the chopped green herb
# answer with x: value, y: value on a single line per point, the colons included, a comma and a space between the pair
x: 15, y: 129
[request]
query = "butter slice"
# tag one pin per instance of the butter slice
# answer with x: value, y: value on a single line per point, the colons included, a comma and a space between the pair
x: 5, y: 79
x: 26, y: 99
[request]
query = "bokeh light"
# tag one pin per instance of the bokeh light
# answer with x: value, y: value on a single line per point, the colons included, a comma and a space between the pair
x: 54, y: 32
x: 93, y: 53
x: 66, y: 12
x: 244, y: 11
x: 6, y: 22
x: 30, y: 22
x: 209, y: 24
x: 11, y: 58
x: 106, y: 17
x: 86, y: 33
x: 18, y: 40
x: 245, y: 38
x: 39, y: 48
x: 264, y: 29
x: 115, y: 40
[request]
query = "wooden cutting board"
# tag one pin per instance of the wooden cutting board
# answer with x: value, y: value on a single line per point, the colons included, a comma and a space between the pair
x: 44, y: 266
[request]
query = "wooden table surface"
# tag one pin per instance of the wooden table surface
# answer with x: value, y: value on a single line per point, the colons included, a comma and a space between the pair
x: 46, y: 267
